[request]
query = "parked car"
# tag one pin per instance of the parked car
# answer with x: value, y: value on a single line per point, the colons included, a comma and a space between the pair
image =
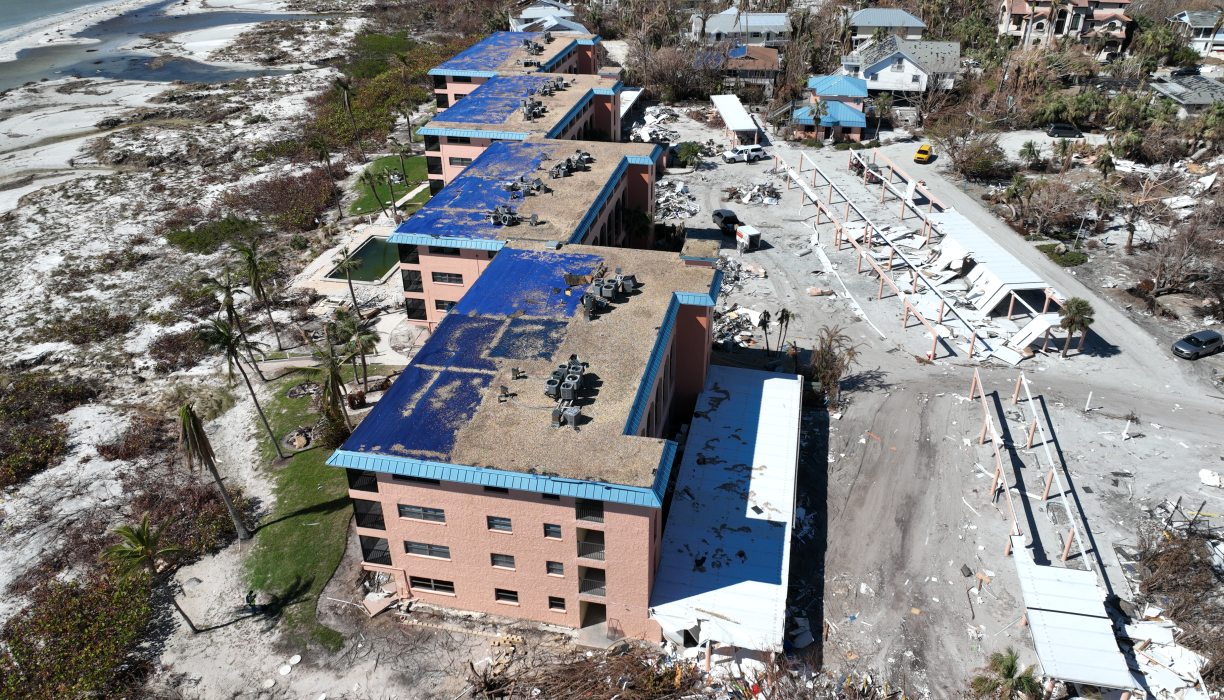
x: 1065, y: 131
x: 1195, y: 345
x: 726, y: 221
x: 1189, y: 70
x: 924, y: 154
x: 744, y: 154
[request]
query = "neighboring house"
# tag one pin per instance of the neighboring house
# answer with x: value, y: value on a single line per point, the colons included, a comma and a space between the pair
x: 1192, y: 93
x: 897, y: 65
x: 754, y: 28
x: 864, y: 23
x: 1198, y: 25
x: 843, y: 99
x: 751, y: 65
x: 546, y: 16
x: 1098, y: 23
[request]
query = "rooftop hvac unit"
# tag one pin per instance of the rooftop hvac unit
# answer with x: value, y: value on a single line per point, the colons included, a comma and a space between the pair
x: 559, y: 83
x: 551, y: 387
x: 547, y: 89
x: 536, y: 185
x: 569, y: 391
x: 575, y: 378
x: 558, y: 416
x: 502, y: 215
x: 534, y: 48
x: 571, y: 414
x: 561, y: 371
x: 582, y: 156
x: 528, y: 62
x: 607, y: 290
x: 558, y: 171
x: 548, y: 37
x: 526, y: 43
x: 628, y: 283
x: 534, y: 220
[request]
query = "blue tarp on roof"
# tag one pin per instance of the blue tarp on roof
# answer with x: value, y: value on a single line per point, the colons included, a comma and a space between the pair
x: 488, y: 54
x: 516, y: 309
x: 838, y: 115
x: 837, y: 86
x: 494, y: 101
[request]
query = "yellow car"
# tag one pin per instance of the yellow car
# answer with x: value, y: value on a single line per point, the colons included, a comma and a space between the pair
x: 924, y: 154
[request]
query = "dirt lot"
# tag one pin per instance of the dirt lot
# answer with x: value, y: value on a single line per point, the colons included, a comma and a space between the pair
x: 894, y: 483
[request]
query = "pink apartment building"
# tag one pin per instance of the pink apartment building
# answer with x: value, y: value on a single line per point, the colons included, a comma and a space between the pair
x: 450, y: 242
x: 512, y: 53
x: 522, y: 503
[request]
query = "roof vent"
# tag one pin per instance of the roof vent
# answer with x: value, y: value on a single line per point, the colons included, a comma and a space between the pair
x: 548, y: 37
x: 503, y: 215
x: 552, y: 245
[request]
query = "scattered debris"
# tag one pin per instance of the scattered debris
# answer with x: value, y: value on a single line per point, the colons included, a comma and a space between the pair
x: 672, y: 200
x: 756, y: 193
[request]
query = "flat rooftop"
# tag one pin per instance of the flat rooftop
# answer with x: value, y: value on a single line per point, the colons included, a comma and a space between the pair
x: 442, y: 418
x: 725, y: 564
x: 564, y: 210
x: 503, y: 51
x: 493, y: 110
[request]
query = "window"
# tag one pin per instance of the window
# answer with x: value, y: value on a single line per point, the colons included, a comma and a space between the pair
x: 499, y: 524
x: 489, y: 489
x: 460, y: 162
x: 433, y: 165
x: 432, y: 143
x: 359, y: 480
x: 433, y: 515
x: 557, y: 604
x: 552, y: 531
x: 555, y: 568
x: 458, y: 139
x: 409, y: 254
x: 415, y: 479
x: 447, y: 277
x: 459, y: 97
x: 504, y: 596
x: 416, y: 311
x: 431, y: 584
x: 445, y: 307
x: 435, y: 186
x: 492, y: 254
x: 461, y: 78
x: 551, y: 497
x: 439, y: 82
x: 413, y: 281
x: 374, y: 550
x: 874, y: 76
x: 369, y: 514
x: 914, y: 78
x: 427, y: 550
x: 442, y: 100
x: 504, y: 561
x: 443, y: 250
x: 756, y: 35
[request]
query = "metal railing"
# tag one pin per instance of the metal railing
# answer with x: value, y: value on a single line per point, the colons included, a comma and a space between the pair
x: 590, y: 586
x: 373, y: 521
x: 590, y: 512
x: 591, y: 550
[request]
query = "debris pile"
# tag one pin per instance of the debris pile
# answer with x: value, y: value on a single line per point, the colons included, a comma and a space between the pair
x: 673, y: 201
x: 756, y: 193
x: 650, y: 128
x: 1172, y: 671
x: 736, y: 325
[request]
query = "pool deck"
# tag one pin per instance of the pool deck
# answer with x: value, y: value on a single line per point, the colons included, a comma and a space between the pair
x: 314, y: 275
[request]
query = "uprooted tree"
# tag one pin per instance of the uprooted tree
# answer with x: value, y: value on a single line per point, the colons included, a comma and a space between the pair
x: 832, y: 357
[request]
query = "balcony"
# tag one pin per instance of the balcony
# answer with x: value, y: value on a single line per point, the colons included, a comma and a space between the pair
x: 360, y: 480
x: 590, y: 544
x: 589, y: 511
x: 369, y: 514
x: 594, y: 587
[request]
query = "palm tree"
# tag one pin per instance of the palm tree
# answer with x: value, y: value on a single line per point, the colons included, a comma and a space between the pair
x: 1105, y: 164
x: 227, y: 287
x: 1077, y: 315
x: 1105, y: 200
x: 784, y: 319
x: 358, y: 337
x: 140, y: 548
x: 345, y: 88
x: 403, y: 61
x: 763, y: 324
x: 255, y: 268
x: 193, y: 442
x: 221, y: 335
x: 391, y: 193
x: 689, y: 152
x: 347, y: 263
x: 370, y: 180
x: 322, y: 150
x: 331, y: 385
x: 1063, y: 149
x: 1031, y: 152
x: 402, y: 150
x: 1005, y: 680
x: 1215, y: 29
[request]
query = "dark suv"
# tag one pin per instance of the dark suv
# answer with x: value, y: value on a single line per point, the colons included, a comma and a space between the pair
x: 1065, y: 131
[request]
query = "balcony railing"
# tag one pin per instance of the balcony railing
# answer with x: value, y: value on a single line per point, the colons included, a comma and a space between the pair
x: 590, y: 586
x: 591, y: 550
x: 373, y: 521
x: 589, y: 511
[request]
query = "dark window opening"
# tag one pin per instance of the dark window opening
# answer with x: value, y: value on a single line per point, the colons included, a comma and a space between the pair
x: 409, y: 253
x: 552, y: 531
x: 458, y: 139
x: 432, y: 143
x: 551, y: 497
x: 360, y: 480
x: 374, y: 550
x: 443, y: 250
x: 504, y: 596
x: 433, y: 165
x: 490, y: 489
x: 415, y: 479
x: 439, y: 82
x: 499, y: 524
x: 431, y: 584
x: 556, y: 603
x: 555, y: 568
x: 413, y: 282
x: 442, y: 100
x: 427, y: 550
x: 505, y: 561
x: 590, y: 511
x: 447, y: 277
x: 369, y: 514
x: 460, y: 162
x: 433, y: 515
x: 435, y: 186
x: 461, y: 78
x: 445, y: 307
x: 416, y: 311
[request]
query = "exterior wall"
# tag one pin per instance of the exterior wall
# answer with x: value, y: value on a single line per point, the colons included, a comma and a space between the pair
x: 457, y: 150
x: 657, y: 419
x: 469, y: 263
x: 608, y: 228
x: 693, y: 338
x: 864, y: 33
x: 855, y: 102
x: 631, y: 550
x: 454, y: 89
x: 895, y: 80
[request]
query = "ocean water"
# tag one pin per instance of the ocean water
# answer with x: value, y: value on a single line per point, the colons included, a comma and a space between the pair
x: 14, y: 13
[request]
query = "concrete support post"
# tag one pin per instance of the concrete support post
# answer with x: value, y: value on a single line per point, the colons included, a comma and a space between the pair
x: 941, y: 308
x: 1011, y: 306
x: 934, y: 344
x: 905, y: 322
x: 1049, y: 689
x: 1046, y: 307
x: 1007, y: 549
x: 1047, y: 340
x: 903, y: 210
x: 1067, y: 547
x: 914, y: 287
x: 891, y: 252
x: 973, y: 386
x: 709, y: 652
x: 1045, y: 495
x: 830, y: 194
x: 985, y: 423
x: 1016, y: 393
x: 882, y: 190
x: 1032, y: 428
x: 972, y: 341
x: 847, y: 212
x: 881, y: 293
x: 814, y: 171
x: 800, y: 170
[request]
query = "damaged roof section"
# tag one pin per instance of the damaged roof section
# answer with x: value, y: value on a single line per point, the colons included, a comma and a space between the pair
x: 504, y: 51
x: 725, y: 561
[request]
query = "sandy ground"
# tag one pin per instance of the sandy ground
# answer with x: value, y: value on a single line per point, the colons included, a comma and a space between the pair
x: 904, y: 512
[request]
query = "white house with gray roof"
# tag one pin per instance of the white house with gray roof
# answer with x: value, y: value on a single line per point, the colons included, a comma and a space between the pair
x: 1198, y: 26
x: 864, y: 23
x: 898, y: 65
x: 751, y: 28
x: 1192, y: 93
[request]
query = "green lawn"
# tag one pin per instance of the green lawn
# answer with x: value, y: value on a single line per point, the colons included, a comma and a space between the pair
x: 367, y: 203
x: 298, y: 547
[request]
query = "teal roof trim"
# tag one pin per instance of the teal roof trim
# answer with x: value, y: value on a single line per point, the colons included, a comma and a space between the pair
x: 589, y: 42
x: 447, y: 241
x: 464, y: 73
x: 593, y: 211
x: 646, y: 388
x: 560, y: 125
x: 614, y: 90
x: 645, y: 160
x: 610, y: 493
x: 472, y: 133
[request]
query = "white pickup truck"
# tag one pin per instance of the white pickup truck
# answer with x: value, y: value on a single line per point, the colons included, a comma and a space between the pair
x: 743, y: 154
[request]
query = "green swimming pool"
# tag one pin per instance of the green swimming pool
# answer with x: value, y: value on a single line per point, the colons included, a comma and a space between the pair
x: 377, y: 257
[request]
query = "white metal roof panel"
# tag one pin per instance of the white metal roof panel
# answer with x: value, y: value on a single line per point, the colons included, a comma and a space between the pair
x: 733, y: 113
x: 725, y: 562
x: 1057, y: 589
x: 627, y: 100
x: 1079, y: 648
x: 986, y: 251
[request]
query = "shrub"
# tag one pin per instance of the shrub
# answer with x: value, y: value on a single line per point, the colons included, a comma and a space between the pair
x: 175, y: 351
x: 31, y: 440
x: 299, y: 242
x: 144, y: 436
x: 201, y: 523
x: 812, y: 143
x: 1071, y: 258
x: 291, y: 202
x: 843, y: 146
x: 73, y: 638
x: 206, y: 238
x: 277, y: 149
x: 89, y: 325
